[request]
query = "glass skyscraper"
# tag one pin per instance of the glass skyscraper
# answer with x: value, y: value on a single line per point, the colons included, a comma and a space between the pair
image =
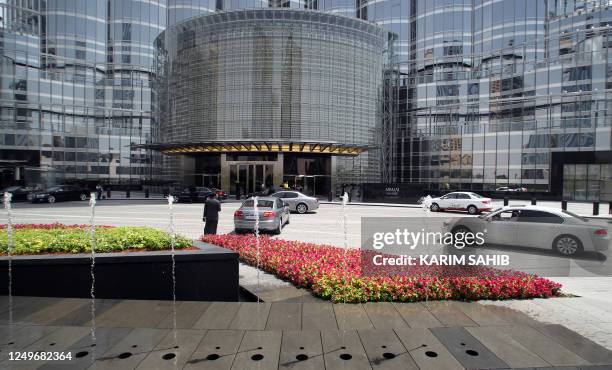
x: 488, y: 93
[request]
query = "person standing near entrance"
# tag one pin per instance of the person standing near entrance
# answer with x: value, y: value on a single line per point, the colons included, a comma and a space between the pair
x: 212, y: 207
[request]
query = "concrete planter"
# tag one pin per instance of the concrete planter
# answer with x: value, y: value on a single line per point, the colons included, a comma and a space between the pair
x: 207, y: 274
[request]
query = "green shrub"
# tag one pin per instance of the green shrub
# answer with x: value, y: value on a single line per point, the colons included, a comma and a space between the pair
x: 78, y: 240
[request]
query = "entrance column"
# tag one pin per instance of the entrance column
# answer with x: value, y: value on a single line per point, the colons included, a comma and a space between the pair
x: 279, y: 169
x: 225, y: 173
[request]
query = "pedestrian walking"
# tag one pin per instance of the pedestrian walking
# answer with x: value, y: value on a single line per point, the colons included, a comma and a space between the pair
x: 99, y: 191
x: 212, y: 207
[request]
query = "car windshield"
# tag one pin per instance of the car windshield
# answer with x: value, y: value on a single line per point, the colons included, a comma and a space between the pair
x: 576, y: 216
x: 485, y: 215
x: 261, y: 203
x: 476, y: 195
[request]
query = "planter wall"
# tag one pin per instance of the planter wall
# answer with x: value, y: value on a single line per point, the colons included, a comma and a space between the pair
x: 208, y: 274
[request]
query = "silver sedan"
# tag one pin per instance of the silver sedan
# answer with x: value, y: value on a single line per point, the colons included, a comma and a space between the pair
x: 297, y: 201
x: 536, y: 227
x: 273, y: 215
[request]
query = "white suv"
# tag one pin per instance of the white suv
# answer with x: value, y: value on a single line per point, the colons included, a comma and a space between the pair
x: 461, y: 201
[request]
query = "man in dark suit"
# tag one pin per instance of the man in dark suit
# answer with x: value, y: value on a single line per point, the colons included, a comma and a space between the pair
x: 212, y: 207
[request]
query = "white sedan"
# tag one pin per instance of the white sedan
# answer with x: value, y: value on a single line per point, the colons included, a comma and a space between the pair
x: 461, y: 201
x: 297, y: 201
x: 536, y: 227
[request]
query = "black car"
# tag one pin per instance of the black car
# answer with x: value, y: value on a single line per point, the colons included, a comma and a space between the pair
x: 19, y: 192
x: 193, y: 194
x: 58, y: 193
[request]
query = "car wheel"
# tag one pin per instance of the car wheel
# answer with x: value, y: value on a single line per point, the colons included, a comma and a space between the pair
x: 434, y: 207
x: 51, y: 199
x: 278, y: 229
x: 301, y: 208
x: 472, y: 210
x: 567, y: 245
x: 83, y: 197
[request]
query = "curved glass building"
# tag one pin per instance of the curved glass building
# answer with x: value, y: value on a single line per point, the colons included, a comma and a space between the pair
x: 260, y: 97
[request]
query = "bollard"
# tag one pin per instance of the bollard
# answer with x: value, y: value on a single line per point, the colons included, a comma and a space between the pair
x: 595, y: 208
x: 108, y: 194
x: 127, y: 193
x: 610, y: 208
x: 146, y: 193
x: 534, y: 201
x: 330, y: 197
x: 506, y: 201
x: 564, y: 205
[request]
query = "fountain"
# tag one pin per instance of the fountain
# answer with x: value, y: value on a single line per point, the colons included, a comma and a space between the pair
x: 256, y: 229
x: 92, y: 292
x: 426, y: 205
x: 9, y: 248
x: 173, y: 256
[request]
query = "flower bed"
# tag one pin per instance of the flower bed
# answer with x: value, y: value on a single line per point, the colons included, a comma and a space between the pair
x: 59, y: 238
x: 335, y: 274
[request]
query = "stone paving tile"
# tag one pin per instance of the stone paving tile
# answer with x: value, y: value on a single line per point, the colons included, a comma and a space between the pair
x: 258, y: 350
x: 187, y: 313
x: 385, y: 350
x: 131, y: 350
x: 384, y: 315
x: 481, y: 315
x: 352, y: 316
x: 545, y: 347
x: 588, y: 350
x: 506, y: 348
x: 417, y: 315
x: 59, y: 340
x: 251, y: 316
x: 448, y: 314
x: 467, y: 350
x: 318, y: 316
x: 217, y: 350
x: 218, y: 315
x: 426, y: 350
x: 58, y: 308
x: 135, y: 314
x: 342, y: 349
x: 82, y: 315
x: 285, y: 316
x: 22, y: 337
x: 174, y: 350
x: 301, y: 350
x: 25, y: 306
x: 83, y: 353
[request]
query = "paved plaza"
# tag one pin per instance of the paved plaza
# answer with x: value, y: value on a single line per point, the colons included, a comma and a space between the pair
x: 223, y: 335
x: 293, y: 329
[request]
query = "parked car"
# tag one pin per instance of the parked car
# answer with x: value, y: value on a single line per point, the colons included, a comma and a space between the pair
x: 536, y: 227
x: 19, y: 192
x: 193, y: 194
x: 509, y: 189
x: 273, y: 215
x: 58, y: 193
x: 297, y: 201
x: 461, y: 201
x: 221, y: 195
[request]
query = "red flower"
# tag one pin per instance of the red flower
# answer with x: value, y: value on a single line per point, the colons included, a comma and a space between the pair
x: 341, y: 275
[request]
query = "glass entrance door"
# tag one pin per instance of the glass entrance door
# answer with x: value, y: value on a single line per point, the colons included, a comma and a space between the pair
x: 248, y: 178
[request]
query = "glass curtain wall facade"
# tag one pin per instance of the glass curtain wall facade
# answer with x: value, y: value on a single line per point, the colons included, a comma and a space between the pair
x: 503, y: 93
x: 76, y: 89
x: 287, y: 81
